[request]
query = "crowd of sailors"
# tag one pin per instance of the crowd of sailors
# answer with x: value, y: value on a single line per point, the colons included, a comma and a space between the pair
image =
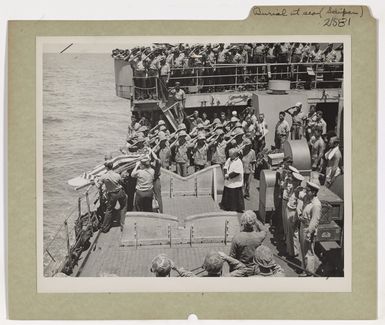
x: 216, y: 67
x: 236, y: 142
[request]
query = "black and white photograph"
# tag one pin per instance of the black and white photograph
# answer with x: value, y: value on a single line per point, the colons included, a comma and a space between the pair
x: 194, y: 157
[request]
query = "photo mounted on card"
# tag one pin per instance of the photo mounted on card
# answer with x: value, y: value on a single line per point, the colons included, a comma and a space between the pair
x: 192, y: 158
x: 206, y: 167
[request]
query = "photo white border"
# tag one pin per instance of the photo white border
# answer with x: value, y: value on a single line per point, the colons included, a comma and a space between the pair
x: 198, y: 284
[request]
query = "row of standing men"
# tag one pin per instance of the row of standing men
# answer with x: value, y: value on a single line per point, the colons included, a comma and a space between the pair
x: 205, y: 65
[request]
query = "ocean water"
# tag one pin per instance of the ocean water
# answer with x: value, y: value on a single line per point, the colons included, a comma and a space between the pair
x: 83, y: 120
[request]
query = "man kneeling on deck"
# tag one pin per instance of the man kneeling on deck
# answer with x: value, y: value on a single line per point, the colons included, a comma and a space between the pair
x: 161, y: 265
x: 244, y: 244
x: 265, y: 264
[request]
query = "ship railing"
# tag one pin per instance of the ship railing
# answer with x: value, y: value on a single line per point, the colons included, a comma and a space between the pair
x: 144, y: 229
x: 239, y: 77
x: 58, y: 248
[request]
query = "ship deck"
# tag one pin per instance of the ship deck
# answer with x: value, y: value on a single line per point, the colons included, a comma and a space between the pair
x: 182, y: 206
x: 108, y: 257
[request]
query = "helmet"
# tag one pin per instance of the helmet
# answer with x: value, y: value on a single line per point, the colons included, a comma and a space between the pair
x: 264, y: 257
x: 248, y: 219
x: 162, y: 136
x: 161, y: 122
x: 238, y: 131
x: 182, y: 126
x: 247, y: 142
x: 145, y: 160
x: 201, y: 136
x: 233, y: 151
x: 143, y: 128
x: 182, y: 134
x: 161, y: 265
x: 219, y: 131
x: 140, y: 139
x: 213, y: 263
x: 238, y: 124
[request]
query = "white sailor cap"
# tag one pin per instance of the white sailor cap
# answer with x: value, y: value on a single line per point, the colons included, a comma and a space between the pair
x: 293, y: 169
x: 298, y: 177
x: 312, y: 185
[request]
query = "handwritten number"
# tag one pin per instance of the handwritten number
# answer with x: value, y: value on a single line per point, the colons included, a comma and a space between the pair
x: 334, y: 22
x: 342, y: 22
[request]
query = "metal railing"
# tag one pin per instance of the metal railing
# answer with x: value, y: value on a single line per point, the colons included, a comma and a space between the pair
x: 239, y: 77
x: 58, y: 247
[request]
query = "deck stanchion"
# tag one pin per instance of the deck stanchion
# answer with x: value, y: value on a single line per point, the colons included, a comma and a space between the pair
x: 191, y: 234
x: 136, y: 235
x: 169, y: 233
x: 156, y: 87
x: 236, y: 77
x: 226, y: 231
x: 257, y: 79
x: 79, y: 206
x: 214, y: 185
x: 88, y: 210
x: 88, y: 203
x: 196, y: 186
x: 67, y: 237
x: 171, y: 187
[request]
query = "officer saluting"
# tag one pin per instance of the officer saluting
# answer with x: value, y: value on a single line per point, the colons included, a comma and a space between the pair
x: 309, y: 218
